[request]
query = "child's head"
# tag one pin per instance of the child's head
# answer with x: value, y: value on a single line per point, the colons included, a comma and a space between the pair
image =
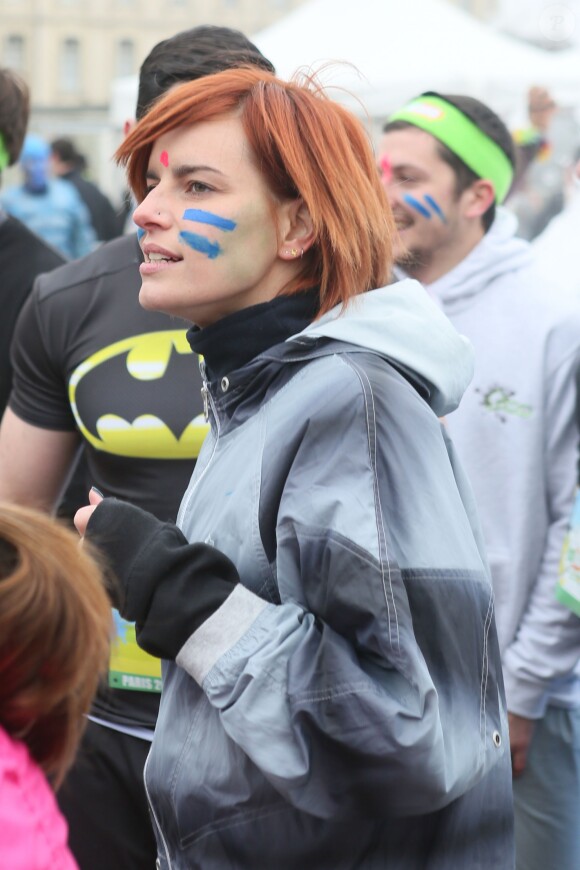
x: 55, y: 628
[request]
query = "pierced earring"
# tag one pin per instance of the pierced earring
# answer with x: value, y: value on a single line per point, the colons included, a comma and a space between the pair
x: 294, y: 252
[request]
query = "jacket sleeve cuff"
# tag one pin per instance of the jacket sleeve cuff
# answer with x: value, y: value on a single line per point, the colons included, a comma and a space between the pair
x: 220, y: 632
x: 524, y: 698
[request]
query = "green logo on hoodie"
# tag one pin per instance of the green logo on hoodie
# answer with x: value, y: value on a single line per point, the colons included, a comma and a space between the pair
x: 500, y: 401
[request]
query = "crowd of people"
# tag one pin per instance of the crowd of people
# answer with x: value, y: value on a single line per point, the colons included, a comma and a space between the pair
x: 324, y: 403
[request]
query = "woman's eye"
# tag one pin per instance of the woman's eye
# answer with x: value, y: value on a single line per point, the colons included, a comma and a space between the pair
x: 198, y: 187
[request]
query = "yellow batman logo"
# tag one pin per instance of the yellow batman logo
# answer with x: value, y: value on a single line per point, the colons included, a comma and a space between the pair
x: 140, y: 397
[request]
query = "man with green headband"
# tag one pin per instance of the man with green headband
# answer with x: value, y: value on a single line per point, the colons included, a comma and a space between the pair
x: 23, y: 255
x: 447, y: 165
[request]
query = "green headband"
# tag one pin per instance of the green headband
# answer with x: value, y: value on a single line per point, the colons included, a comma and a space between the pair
x: 4, y: 155
x: 454, y: 129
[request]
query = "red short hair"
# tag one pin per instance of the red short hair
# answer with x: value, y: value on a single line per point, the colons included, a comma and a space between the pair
x: 305, y: 145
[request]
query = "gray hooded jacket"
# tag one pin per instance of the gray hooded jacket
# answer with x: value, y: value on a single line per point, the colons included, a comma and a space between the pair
x: 344, y: 707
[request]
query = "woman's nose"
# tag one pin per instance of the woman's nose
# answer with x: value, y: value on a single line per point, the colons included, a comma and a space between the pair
x: 151, y: 212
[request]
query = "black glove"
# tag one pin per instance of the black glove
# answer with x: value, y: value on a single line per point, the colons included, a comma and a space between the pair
x: 164, y: 584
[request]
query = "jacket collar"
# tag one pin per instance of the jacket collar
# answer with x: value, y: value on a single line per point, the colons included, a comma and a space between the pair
x: 235, y: 340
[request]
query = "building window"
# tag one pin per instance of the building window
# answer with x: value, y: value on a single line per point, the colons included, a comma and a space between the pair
x: 125, y: 57
x: 14, y: 52
x: 70, y: 65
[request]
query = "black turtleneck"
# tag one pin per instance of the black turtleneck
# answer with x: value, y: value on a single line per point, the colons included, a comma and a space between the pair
x: 236, y: 339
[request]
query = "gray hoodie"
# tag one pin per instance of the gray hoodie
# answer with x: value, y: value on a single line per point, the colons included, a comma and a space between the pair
x: 517, y: 438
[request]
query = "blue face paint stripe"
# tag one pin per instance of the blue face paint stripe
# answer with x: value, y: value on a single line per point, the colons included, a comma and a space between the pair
x: 201, y: 244
x: 418, y: 206
x: 435, y: 206
x: 140, y: 233
x: 206, y: 217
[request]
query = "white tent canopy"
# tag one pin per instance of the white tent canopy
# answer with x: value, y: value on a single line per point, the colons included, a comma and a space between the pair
x: 394, y: 50
x: 546, y: 23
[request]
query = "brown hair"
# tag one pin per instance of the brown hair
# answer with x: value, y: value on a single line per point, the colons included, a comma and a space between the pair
x: 14, y: 111
x: 306, y: 146
x: 55, y: 629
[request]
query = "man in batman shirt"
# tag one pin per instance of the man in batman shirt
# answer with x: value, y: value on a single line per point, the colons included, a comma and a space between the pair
x: 92, y: 368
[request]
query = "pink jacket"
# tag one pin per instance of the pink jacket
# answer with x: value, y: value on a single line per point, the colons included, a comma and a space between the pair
x: 33, y: 833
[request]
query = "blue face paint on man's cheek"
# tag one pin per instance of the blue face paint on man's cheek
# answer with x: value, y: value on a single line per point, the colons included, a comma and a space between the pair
x: 207, y: 217
x: 436, y: 207
x: 426, y: 211
x: 140, y: 233
x: 418, y: 206
x: 201, y: 244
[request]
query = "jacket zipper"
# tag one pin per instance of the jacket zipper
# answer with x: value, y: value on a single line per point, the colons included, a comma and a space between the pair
x: 208, y: 403
x: 204, y: 390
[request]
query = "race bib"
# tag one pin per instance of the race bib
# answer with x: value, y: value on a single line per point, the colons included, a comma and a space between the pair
x: 129, y: 666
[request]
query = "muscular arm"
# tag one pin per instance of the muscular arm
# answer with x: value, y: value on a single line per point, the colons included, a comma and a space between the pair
x: 34, y: 462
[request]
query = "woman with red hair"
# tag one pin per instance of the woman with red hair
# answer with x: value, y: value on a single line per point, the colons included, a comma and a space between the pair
x: 332, y: 691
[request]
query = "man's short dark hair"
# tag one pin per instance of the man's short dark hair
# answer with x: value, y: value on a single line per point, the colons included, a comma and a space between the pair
x: 192, y: 54
x: 14, y: 112
x: 489, y: 123
x: 65, y: 150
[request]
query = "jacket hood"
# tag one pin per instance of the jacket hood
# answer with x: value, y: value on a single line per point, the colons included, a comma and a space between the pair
x: 401, y: 323
x: 496, y: 254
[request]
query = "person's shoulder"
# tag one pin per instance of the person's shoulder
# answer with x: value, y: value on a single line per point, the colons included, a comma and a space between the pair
x: 530, y: 296
x: 65, y: 194
x: 12, y: 194
x: 59, y: 189
x: 351, y: 377
x: 547, y: 299
x: 109, y: 260
x: 31, y: 823
x: 546, y: 321
x: 16, y: 237
x: 88, y: 186
x: 19, y: 775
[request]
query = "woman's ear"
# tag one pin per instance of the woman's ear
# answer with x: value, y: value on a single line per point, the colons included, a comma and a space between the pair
x: 297, y: 230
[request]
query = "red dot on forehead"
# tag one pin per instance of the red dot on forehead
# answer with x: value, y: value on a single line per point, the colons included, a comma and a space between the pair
x: 386, y: 168
x: 164, y: 158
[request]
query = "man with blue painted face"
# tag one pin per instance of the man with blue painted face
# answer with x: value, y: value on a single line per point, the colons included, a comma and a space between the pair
x: 47, y: 206
x: 447, y: 164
